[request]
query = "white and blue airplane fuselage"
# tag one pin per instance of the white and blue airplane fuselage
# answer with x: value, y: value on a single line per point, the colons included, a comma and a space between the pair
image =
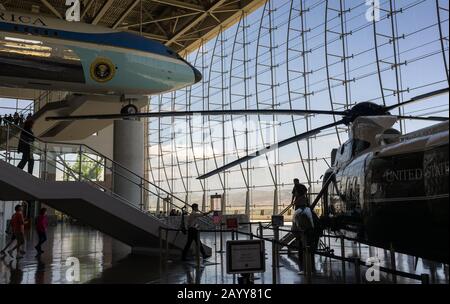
x: 50, y: 54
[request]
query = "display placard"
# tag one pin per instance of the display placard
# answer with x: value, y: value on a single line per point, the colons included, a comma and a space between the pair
x: 246, y: 256
x: 278, y: 220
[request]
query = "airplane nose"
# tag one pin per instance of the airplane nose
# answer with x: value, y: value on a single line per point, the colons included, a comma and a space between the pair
x: 198, y: 75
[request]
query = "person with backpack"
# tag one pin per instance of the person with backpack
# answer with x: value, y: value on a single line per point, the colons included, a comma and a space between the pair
x: 303, y: 229
x: 299, y: 194
x: 11, y: 236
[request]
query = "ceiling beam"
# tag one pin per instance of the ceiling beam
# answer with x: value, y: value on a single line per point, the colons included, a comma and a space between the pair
x: 180, y: 4
x: 151, y: 36
x: 196, y: 21
x: 52, y: 9
x: 125, y: 14
x: 153, y: 20
x: 234, y: 14
x: 150, y: 16
x: 87, y: 8
x: 102, y: 11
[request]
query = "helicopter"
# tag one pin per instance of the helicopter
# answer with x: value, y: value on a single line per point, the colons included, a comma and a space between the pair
x: 387, y: 189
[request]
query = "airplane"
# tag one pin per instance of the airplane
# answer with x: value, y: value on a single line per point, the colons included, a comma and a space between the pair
x: 45, y: 53
x: 386, y: 189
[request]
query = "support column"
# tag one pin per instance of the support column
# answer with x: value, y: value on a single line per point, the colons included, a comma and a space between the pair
x: 129, y: 153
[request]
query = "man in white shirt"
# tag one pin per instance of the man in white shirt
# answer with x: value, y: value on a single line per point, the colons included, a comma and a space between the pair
x: 303, y: 229
x: 193, y: 233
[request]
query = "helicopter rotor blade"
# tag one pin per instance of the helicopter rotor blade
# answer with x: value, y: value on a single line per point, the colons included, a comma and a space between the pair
x: 193, y: 113
x: 271, y: 148
x: 418, y: 98
x: 431, y: 118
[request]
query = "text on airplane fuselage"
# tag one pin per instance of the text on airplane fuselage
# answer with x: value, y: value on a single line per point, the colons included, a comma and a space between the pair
x: 10, y: 17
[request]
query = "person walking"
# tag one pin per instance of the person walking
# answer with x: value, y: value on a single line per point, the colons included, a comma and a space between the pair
x: 25, y: 146
x: 193, y: 232
x: 299, y: 194
x: 11, y: 236
x: 41, y: 228
x: 18, y: 227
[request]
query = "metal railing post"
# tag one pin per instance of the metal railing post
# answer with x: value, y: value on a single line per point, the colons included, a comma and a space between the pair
x: 393, y: 263
x: 343, y: 257
x: 45, y: 162
x: 261, y: 231
x: 141, y: 204
x: 80, y: 164
x: 250, y: 230
x: 113, y: 178
x: 7, y: 143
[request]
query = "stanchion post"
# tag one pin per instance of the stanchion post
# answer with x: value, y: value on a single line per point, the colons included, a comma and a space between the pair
x: 275, y: 245
x: 356, y: 261
x: 343, y: 257
x: 261, y: 231
x: 197, y: 250
x: 221, y: 238
x: 425, y: 278
x: 307, y: 261
x: 274, y: 266
x: 250, y: 230
x: 393, y: 264
x: 160, y: 249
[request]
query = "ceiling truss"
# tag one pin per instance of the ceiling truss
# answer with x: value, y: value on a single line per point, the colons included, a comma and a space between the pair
x: 182, y: 25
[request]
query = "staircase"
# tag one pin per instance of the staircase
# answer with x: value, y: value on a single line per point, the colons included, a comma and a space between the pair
x: 61, y: 180
x: 289, y: 238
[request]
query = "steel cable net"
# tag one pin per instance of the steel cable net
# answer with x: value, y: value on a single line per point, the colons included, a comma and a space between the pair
x: 298, y: 54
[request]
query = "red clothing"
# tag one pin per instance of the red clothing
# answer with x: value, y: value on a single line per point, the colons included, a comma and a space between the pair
x: 17, y: 222
x: 42, y: 223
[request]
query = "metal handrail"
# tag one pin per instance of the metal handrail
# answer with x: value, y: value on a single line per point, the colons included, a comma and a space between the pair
x: 79, y: 149
x: 72, y: 172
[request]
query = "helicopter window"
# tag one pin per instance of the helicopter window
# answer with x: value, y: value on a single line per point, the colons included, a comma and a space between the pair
x: 359, y: 146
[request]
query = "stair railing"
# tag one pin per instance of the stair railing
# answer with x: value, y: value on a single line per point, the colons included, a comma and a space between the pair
x: 55, y: 154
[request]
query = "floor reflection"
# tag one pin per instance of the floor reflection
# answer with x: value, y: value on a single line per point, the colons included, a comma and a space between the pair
x: 98, y: 265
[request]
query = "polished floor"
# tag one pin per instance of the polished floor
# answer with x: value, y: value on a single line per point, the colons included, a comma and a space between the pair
x: 69, y: 244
